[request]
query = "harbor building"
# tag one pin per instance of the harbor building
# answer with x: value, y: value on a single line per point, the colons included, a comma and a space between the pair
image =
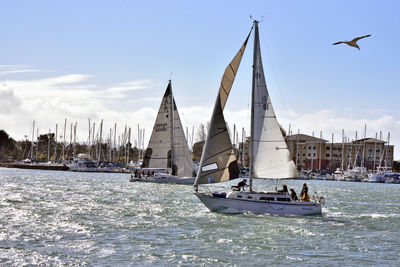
x: 309, y: 152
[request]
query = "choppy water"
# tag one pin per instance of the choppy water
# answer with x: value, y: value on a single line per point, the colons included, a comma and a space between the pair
x: 63, y: 218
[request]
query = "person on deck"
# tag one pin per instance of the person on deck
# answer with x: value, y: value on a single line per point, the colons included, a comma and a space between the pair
x: 284, y: 189
x: 240, y: 185
x: 293, y: 194
x: 304, y: 193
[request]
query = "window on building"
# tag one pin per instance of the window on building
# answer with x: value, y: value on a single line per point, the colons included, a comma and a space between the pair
x: 328, y: 155
x: 313, y: 148
x: 309, y: 155
x: 309, y: 148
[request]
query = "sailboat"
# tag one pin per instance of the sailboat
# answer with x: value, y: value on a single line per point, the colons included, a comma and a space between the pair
x: 167, y: 158
x: 269, y: 154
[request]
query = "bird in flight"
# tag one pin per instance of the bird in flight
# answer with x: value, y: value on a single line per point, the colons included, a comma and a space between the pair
x: 353, y: 42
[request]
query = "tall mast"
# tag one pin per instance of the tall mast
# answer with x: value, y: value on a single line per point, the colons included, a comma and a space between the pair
x: 48, y: 147
x: 138, y: 142
x: 70, y: 139
x: 242, y: 150
x: 89, y: 138
x: 63, y: 148
x: 55, y: 144
x: 114, y: 147
x: 342, y: 149
x: 110, y: 146
x: 142, y: 139
x: 33, y: 136
x: 74, y: 145
x: 129, y: 145
x: 99, y: 142
x: 37, y: 143
x: 172, y: 128
x: 256, y: 41
x: 93, y: 141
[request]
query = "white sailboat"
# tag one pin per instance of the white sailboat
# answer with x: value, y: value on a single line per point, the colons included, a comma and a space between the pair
x: 83, y: 163
x: 269, y: 156
x: 167, y: 158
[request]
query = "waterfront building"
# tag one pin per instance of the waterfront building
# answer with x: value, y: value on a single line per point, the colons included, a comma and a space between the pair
x: 309, y: 152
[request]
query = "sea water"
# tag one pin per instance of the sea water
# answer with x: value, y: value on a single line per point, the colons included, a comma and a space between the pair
x: 64, y: 218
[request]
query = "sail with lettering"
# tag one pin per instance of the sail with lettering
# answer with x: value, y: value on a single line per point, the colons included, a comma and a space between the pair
x: 270, y: 155
x: 167, y: 146
x: 218, y: 161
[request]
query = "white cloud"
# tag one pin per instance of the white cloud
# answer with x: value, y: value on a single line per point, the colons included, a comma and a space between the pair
x: 49, y: 101
x: 8, y: 101
x: 19, y: 71
x: 13, y: 66
x: 121, y: 89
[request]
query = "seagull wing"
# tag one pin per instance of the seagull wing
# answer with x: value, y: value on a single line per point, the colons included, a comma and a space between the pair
x: 358, y: 38
x: 341, y: 42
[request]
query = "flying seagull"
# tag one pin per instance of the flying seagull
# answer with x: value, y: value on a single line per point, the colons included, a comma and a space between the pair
x: 353, y: 42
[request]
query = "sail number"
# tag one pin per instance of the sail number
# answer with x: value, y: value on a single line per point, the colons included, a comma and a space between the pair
x: 265, y: 102
x: 160, y: 127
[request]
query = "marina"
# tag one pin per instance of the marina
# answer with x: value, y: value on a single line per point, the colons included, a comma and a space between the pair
x: 207, y: 133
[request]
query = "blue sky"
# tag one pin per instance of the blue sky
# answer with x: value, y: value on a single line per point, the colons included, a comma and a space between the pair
x: 112, y: 60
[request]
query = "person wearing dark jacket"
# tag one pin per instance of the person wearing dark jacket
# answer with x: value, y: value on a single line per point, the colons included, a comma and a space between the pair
x: 240, y: 185
x: 293, y: 194
x: 284, y: 189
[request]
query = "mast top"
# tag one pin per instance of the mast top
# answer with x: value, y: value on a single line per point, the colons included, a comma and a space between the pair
x: 255, y: 20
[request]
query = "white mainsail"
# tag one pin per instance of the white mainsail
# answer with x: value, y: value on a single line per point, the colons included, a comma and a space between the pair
x: 218, y: 161
x: 270, y: 155
x: 167, y: 145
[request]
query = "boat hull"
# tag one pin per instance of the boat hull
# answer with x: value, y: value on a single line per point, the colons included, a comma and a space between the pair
x: 165, y: 180
x: 229, y: 205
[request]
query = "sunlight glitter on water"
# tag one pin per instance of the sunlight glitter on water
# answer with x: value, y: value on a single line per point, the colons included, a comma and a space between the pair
x: 64, y: 218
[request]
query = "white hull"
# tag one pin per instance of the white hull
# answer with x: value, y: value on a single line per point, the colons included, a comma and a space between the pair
x: 82, y: 169
x: 165, y: 180
x: 235, y: 205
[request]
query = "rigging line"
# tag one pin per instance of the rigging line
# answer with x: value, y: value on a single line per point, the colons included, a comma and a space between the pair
x: 275, y: 76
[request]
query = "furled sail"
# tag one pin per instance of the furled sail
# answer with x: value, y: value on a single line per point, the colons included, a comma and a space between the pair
x: 218, y: 162
x: 270, y: 155
x: 167, y: 146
